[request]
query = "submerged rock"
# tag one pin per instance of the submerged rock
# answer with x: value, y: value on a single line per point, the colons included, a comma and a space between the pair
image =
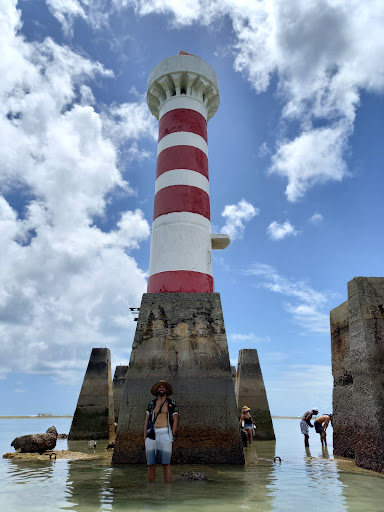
x: 36, y: 443
x: 193, y: 475
x: 60, y: 455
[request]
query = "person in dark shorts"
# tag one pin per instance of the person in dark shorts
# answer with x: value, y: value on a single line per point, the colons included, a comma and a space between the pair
x: 248, y: 422
x: 163, y: 412
x: 321, y: 424
x: 305, y: 423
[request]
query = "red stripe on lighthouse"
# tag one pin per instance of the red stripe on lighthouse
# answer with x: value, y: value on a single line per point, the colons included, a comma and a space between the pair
x: 180, y: 281
x: 181, y: 198
x: 182, y: 157
x: 183, y: 120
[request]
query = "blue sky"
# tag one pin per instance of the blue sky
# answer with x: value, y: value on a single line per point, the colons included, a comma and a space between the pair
x: 296, y: 179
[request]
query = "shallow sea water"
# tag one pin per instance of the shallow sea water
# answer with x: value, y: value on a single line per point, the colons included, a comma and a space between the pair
x: 303, y: 481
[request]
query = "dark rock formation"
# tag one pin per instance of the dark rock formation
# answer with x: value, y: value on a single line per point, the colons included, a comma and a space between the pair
x: 180, y: 337
x: 250, y: 391
x: 193, y: 475
x: 93, y: 418
x: 36, y: 443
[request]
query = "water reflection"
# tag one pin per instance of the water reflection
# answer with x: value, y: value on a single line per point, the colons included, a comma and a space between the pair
x: 362, y: 490
x: 21, y: 471
x: 304, y: 480
x: 88, y: 486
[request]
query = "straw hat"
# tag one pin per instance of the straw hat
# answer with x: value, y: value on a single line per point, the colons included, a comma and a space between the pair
x: 245, y: 408
x: 167, y: 386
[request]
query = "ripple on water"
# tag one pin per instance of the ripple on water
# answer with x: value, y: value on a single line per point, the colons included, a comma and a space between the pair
x: 303, y: 481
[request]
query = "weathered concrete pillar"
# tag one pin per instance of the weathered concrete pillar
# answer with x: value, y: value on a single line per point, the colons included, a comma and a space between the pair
x: 94, y: 414
x: 180, y: 337
x: 366, y: 335
x: 118, y: 388
x: 250, y: 391
x: 233, y: 373
x: 343, y: 426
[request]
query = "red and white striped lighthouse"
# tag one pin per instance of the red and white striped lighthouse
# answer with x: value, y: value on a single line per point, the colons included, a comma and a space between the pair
x: 183, y: 94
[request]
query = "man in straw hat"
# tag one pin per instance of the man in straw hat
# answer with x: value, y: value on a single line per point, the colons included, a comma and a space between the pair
x: 162, y: 413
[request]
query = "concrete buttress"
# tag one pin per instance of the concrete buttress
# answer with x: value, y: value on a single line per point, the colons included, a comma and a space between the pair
x: 250, y: 391
x: 94, y: 414
x: 343, y: 428
x: 118, y: 388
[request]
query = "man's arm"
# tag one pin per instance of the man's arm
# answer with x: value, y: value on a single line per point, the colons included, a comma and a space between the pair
x: 326, y: 423
x: 307, y: 417
x: 174, y: 423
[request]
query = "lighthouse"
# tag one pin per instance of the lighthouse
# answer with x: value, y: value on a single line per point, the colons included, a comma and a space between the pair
x: 183, y: 94
x: 180, y: 334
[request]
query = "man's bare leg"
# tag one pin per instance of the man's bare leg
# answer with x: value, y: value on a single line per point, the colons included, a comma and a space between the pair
x: 324, y: 438
x: 151, y: 473
x: 306, y: 440
x: 167, y: 473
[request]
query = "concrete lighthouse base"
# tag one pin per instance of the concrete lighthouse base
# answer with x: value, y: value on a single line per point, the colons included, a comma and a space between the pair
x: 180, y: 337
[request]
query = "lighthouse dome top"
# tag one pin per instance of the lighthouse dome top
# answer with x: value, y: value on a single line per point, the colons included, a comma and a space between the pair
x: 183, y: 75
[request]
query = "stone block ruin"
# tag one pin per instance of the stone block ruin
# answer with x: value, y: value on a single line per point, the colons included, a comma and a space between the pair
x: 181, y: 338
x: 357, y: 339
x: 94, y: 414
x: 250, y: 391
x: 118, y: 388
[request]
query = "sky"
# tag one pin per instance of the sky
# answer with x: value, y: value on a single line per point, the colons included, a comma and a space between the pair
x: 296, y: 179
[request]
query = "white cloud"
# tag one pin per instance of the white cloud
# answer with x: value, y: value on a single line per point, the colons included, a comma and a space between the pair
x: 278, y: 231
x: 305, y: 166
x: 66, y: 284
x: 249, y: 337
x: 237, y: 215
x: 323, y: 53
x: 316, y: 218
x: 310, y: 310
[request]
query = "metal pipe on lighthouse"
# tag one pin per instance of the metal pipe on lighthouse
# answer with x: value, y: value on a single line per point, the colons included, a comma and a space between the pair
x: 183, y: 94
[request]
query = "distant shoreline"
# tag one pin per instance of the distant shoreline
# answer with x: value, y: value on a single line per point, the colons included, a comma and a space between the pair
x: 33, y: 417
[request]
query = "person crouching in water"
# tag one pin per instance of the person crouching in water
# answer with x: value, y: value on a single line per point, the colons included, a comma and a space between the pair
x: 321, y: 424
x: 248, y: 422
x: 162, y: 412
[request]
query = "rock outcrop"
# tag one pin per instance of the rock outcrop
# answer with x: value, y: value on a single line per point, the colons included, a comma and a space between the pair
x: 36, y: 443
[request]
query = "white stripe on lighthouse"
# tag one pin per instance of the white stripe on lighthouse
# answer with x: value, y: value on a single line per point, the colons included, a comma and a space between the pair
x: 182, y: 242
x: 182, y: 177
x: 182, y: 139
x: 189, y: 102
